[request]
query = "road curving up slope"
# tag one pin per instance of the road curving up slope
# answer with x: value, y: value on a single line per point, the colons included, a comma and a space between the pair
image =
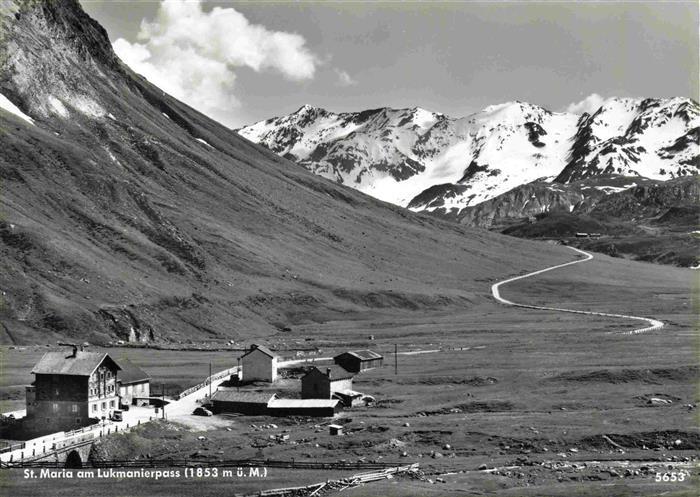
x: 653, y: 324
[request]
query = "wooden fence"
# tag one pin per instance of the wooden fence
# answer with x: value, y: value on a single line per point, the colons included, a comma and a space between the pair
x: 335, y: 486
x: 207, y: 381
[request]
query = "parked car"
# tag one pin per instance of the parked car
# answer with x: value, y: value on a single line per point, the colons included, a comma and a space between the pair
x: 117, y: 416
x: 202, y: 411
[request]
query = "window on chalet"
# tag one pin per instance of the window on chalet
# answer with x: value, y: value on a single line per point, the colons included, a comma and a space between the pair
x: 74, y: 408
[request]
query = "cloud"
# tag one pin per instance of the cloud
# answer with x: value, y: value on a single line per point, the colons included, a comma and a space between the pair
x: 590, y: 104
x: 344, y: 79
x: 193, y: 55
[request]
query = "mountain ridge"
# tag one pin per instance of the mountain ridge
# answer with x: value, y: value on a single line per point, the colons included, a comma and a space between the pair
x: 454, y: 163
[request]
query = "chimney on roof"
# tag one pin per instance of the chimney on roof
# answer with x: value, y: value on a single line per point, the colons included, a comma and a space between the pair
x: 74, y: 346
x: 328, y: 372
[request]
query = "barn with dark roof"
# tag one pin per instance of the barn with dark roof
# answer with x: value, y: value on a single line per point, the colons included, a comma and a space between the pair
x: 251, y: 403
x: 359, y: 360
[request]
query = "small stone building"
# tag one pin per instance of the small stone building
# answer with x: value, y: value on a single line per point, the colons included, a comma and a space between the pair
x: 71, y: 389
x: 322, y: 382
x: 359, y: 360
x: 134, y: 384
x: 258, y: 364
x: 251, y: 403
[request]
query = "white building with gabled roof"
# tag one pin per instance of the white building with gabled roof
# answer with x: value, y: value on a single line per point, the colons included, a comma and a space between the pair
x: 259, y: 364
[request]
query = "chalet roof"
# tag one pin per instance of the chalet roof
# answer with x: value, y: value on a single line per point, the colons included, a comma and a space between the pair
x: 302, y: 403
x: 131, y: 373
x: 337, y: 372
x: 262, y: 349
x: 64, y: 363
x: 363, y: 355
x: 245, y: 397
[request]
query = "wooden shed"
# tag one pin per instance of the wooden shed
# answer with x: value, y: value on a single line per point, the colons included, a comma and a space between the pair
x: 359, y: 360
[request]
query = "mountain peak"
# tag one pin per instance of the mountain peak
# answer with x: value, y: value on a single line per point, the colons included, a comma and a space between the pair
x: 42, y: 44
x: 307, y: 108
x: 310, y: 110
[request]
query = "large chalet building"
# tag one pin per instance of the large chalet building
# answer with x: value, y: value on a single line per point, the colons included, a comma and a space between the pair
x: 72, y: 389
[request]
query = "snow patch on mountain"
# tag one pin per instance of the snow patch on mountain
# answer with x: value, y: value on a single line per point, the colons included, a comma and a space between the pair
x: 7, y: 105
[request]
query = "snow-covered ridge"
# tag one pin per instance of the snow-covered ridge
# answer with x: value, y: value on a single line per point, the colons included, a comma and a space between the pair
x: 427, y: 160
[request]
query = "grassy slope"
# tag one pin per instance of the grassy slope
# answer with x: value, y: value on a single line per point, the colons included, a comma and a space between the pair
x: 113, y: 223
x: 651, y: 222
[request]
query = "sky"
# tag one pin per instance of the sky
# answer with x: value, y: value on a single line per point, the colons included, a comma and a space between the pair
x: 243, y: 61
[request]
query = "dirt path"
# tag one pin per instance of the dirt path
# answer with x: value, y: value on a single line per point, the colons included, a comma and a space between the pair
x: 653, y: 324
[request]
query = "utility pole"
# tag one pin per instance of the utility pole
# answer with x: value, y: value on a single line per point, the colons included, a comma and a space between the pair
x: 209, y: 380
x: 238, y: 376
x: 396, y: 358
x: 162, y: 399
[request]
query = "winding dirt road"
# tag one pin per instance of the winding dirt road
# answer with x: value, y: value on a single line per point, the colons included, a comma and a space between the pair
x: 652, y: 324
